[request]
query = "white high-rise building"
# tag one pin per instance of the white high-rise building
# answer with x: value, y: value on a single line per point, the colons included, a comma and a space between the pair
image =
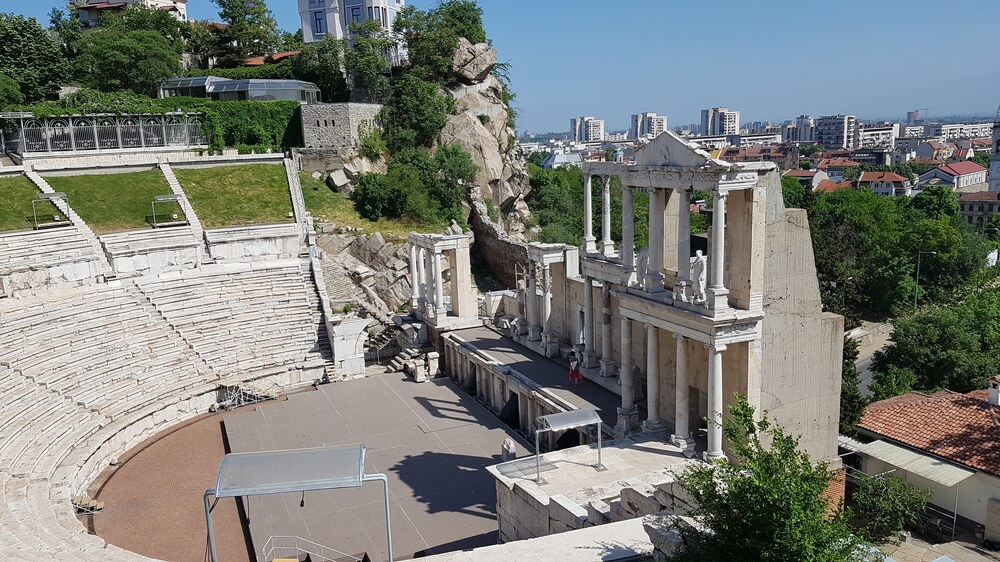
x: 586, y: 129
x: 804, y: 130
x: 646, y: 124
x: 333, y: 18
x: 995, y: 159
x: 719, y: 121
x: 91, y: 11
x: 837, y: 131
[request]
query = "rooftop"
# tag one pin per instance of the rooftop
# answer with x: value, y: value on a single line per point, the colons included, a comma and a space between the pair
x: 801, y: 173
x: 980, y: 196
x: 837, y: 163
x: 883, y: 176
x: 829, y: 186
x: 961, y: 168
x: 957, y: 427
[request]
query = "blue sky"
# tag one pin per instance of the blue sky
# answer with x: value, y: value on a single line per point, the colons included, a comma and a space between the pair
x: 770, y: 59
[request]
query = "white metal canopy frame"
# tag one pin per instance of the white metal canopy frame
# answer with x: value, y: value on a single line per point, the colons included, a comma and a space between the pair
x: 566, y: 420
x: 292, y: 470
x: 161, y: 199
x: 45, y: 198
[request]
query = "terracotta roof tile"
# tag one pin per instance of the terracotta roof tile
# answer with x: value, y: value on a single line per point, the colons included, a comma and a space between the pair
x: 882, y: 176
x: 837, y: 163
x: 962, y: 428
x: 980, y: 196
x: 801, y: 173
x: 961, y: 168
x: 829, y: 186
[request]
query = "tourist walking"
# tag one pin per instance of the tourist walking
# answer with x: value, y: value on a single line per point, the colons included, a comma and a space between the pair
x: 574, y: 369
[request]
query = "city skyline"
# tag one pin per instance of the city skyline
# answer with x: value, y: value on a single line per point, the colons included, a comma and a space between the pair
x: 753, y: 66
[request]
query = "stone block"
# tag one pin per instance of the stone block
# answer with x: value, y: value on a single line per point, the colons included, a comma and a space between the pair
x: 598, y: 512
x: 640, y: 500
x: 567, y: 512
x: 662, y: 531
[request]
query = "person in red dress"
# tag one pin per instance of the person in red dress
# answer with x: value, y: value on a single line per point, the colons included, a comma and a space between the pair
x: 574, y: 369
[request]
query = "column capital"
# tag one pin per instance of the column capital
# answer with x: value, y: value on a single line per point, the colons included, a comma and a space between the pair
x: 715, y: 346
x: 679, y: 337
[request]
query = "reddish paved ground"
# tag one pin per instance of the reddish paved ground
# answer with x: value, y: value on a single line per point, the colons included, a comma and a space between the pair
x: 153, y: 499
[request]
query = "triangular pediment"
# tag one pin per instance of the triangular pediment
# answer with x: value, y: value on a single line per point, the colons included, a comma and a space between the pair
x: 668, y: 149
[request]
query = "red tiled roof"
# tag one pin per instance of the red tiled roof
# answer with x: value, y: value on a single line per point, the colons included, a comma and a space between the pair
x: 829, y: 186
x: 980, y: 196
x: 958, y: 427
x: 982, y: 142
x: 961, y: 168
x: 104, y: 5
x: 936, y: 145
x: 260, y: 61
x: 801, y: 173
x: 837, y: 163
x: 882, y: 176
x: 925, y: 160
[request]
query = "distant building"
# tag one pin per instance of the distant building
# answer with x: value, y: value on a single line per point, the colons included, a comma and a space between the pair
x: 720, y: 121
x: 224, y: 89
x: 646, y: 124
x: 874, y: 156
x: 954, y: 131
x: 91, y: 11
x: 961, y: 176
x: 333, y: 18
x: 586, y: 129
x: 836, y: 167
x: 980, y: 207
x: 785, y: 156
x: 886, y: 183
x: 995, y: 159
x: 562, y: 160
x: 936, y: 150
x: 913, y: 117
x: 837, y: 131
x: 829, y: 186
x: 810, y: 179
x: 878, y: 136
x: 804, y: 129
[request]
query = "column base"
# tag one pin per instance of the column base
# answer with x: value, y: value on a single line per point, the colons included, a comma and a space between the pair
x: 550, y: 343
x: 607, y: 368
x: 589, y: 245
x: 718, y: 298
x: 628, y: 421
x: 681, y: 442
x: 589, y: 360
x: 607, y: 247
x: 710, y: 456
x: 440, y: 313
x: 534, y: 333
x: 682, y: 290
x: 653, y: 283
x: 656, y: 427
x: 414, y: 304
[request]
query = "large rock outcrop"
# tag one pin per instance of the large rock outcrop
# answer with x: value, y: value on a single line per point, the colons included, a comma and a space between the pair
x: 473, y: 63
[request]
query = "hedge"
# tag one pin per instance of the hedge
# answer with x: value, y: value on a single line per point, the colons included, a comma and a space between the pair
x: 271, y: 71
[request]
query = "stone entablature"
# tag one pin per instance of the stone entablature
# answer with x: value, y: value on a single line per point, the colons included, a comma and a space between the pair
x: 427, y: 297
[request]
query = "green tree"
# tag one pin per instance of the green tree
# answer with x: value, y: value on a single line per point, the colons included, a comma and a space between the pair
x: 30, y: 57
x: 321, y: 64
x: 852, y: 403
x: 537, y: 157
x: 456, y: 171
x: 810, y: 149
x: 886, y: 504
x: 67, y: 29
x: 366, y: 62
x: 112, y: 60
x: 766, y: 504
x: 251, y: 26
x: 794, y: 192
x: 290, y: 41
x: 432, y: 36
x: 982, y: 158
x: 10, y: 93
x: 465, y: 18
x: 416, y: 112
x: 138, y: 17
x: 936, y: 201
x: 201, y: 42
x: 375, y: 196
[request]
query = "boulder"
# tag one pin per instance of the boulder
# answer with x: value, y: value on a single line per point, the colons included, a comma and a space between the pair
x: 466, y: 130
x: 337, y: 180
x: 473, y: 63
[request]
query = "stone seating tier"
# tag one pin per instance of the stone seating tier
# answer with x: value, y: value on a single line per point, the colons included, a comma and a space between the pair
x: 43, y: 248
x: 127, y: 243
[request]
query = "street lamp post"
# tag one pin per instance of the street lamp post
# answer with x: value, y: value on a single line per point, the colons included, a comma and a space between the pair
x: 916, y: 279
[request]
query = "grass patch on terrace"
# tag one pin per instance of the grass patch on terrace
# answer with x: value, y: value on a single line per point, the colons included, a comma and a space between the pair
x: 237, y: 195
x: 114, y: 202
x: 16, y: 193
x: 326, y: 205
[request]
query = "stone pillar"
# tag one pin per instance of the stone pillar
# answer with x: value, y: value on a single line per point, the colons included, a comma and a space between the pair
x: 715, y: 402
x: 628, y: 417
x: 414, y: 281
x: 419, y: 280
x: 654, y: 267
x: 653, y: 423
x: 440, y: 311
x: 607, y: 364
x: 681, y: 429
x: 589, y: 354
x: 682, y: 290
x: 428, y: 275
x: 589, y: 242
x: 628, y: 232
x: 531, y: 304
x: 717, y: 292
x: 607, y: 245
x: 549, y: 338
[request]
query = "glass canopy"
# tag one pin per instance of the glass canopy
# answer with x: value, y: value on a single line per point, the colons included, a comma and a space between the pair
x: 294, y: 470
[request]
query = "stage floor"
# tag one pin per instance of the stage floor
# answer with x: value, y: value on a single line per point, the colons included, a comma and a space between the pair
x: 431, y: 439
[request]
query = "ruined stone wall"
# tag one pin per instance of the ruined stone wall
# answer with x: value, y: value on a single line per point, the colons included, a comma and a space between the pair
x: 335, y: 125
x: 494, y: 246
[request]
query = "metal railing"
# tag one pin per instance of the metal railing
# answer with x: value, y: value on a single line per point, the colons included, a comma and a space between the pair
x: 278, y: 546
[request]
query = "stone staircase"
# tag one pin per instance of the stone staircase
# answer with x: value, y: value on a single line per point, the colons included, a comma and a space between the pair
x: 192, y: 217
x: 85, y: 230
x: 295, y: 188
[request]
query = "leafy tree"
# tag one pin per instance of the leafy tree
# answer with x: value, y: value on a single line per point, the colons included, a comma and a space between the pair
x: 30, y: 57
x: 201, y: 41
x: 10, y: 93
x: 465, y: 18
x: 852, y: 403
x: 810, y: 149
x: 138, y: 17
x: 290, y: 41
x: 375, y: 196
x: 766, y: 504
x: 432, y: 36
x: 366, y: 61
x: 456, y: 171
x: 112, y: 60
x: 794, y: 192
x: 67, y: 29
x: 251, y: 25
x: 416, y: 112
x: 982, y: 158
x: 537, y: 157
x: 936, y: 201
x: 321, y: 63
x: 806, y: 165
x: 886, y: 504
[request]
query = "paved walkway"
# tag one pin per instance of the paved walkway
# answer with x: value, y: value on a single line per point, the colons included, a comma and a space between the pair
x: 549, y: 373
x: 917, y: 550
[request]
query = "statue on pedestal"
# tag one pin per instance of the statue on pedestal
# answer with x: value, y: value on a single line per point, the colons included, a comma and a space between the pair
x: 699, y: 274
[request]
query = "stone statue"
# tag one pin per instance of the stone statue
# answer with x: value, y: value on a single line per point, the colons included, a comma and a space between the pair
x: 642, y: 262
x: 699, y: 271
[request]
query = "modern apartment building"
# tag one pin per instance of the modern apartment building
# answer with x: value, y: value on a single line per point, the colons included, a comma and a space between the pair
x: 333, y: 18
x: 878, y: 135
x: 586, y: 129
x: 837, y: 131
x: 90, y: 11
x: 646, y: 124
x: 803, y: 131
x: 720, y: 121
x: 954, y: 131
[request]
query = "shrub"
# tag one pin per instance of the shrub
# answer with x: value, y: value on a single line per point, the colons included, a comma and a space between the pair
x: 272, y: 71
x: 375, y: 197
x: 372, y: 144
x: 886, y: 504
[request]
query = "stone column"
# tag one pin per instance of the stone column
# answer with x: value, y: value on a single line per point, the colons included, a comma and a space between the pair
x: 419, y: 280
x: 548, y: 337
x: 440, y: 311
x: 531, y: 304
x: 607, y: 245
x: 715, y: 402
x: 717, y: 292
x: 654, y: 267
x: 414, y: 281
x: 628, y: 232
x: 589, y: 242
x: 681, y: 429
x: 682, y: 290
x: 628, y: 417
x: 428, y: 275
x: 653, y: 423
x: 589, y: 354
x: 607, y: 364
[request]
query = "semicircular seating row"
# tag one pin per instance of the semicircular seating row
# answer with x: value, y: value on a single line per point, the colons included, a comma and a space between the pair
x: 87, y: 373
